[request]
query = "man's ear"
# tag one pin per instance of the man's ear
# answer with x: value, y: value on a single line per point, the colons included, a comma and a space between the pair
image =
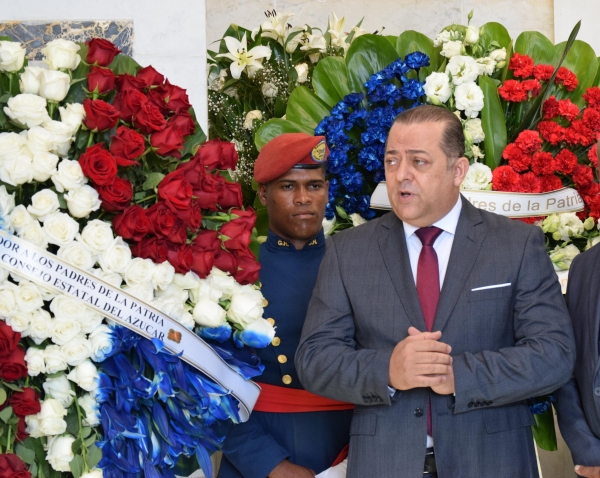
x: 460, y: 169
x: 262, y: 193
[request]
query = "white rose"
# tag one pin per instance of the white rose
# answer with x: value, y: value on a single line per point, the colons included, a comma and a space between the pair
x: 59, y: 453
x: 51, y: 417
x: 32, y: 425
x: 269, y: 90
x: 82, y: 201
x: 302, y: 70
x: 77, y: 350
x: 472, y: 35
x: 7, y: 201
x: 498, y: 55
x: 62, y: 137
x: 19, y: 322
x: 68, y: 176
x: 68, y: 308
x: 34, y: 234
x: 54, y: 85
x: 39, y: 140
x: 357, y: 219
x: 41, y: 326
x: 452, y: 49
x: 478, y: 177
x: 16, y: 171
x: 140, y: 271
x: 246, y: 306
x: 61, y: 54
x: 8, y: 300
x: 116, y: 258
x: 143, y: 292
x: 60, y: 228
x: 85, y: 375
x: 35, y: 361
x: 463, y: 69
x: 474, y: 131
x: 78, y: 254
x: 12, y: 145
x: 222, y: 281
x: 442, y: 38
x: 250, y: 117
x: 437, y: 88
x: 92, y: 414
x: 44, y: 166
x: 27, y: 109
x: 591, y: 243
x: 486, y: 66
x: 91, y: 321
x: 208, y: 313
x: 29, y: 298
x: 204, y: 290
x: 328, y: 225
x: 3, y: 274
x: 469, y: 98
x: 43, y: 203
x: 29, y: 81
x: 60, y: 389
x: 65, y: 330
x: 187, y: 281
x: 174, y: 291
x: 562, y: 257
x: 101, y: 340
x: 12, y: 56
x: 97, y: 235
x: 95, y: 473
x: 72, y: 115
x: 113, y: 278
x: 55, y: 359
x: 19, y: 218
x: 187, y: 320
x: 170, y: 306
x: 569, y: 225
x: 163, y: 275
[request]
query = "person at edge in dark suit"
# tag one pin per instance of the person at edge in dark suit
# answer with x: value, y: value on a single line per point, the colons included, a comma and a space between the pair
x: 291, y: 433
x: 578, y: 402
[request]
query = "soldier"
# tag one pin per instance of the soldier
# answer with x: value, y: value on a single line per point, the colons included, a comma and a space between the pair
x: 292, y: 432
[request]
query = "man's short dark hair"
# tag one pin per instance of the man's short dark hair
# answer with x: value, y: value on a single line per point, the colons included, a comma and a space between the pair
x: 453, y: 137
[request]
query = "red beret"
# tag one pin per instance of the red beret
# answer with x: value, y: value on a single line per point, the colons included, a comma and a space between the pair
x: 287, y: 151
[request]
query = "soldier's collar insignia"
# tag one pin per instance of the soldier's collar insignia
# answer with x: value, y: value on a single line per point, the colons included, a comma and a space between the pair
x: 314, y: 242
x: 282, y: 243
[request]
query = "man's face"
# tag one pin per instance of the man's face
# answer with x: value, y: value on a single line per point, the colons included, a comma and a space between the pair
x: 296, y: 203
x: 421, y: 188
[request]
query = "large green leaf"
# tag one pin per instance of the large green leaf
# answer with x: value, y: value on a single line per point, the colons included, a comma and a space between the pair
x: 582, y: 61
x: 537, y: 46
x: 543, y: 430
x: 124, y: 64
x: 306, y: 108
x: 368, y: 54
x: 495, y: 32
x: 492, y: 122
x: 276, y: 126
x: 330, y: 80
x: 597, y: 77
x: 411, y: 41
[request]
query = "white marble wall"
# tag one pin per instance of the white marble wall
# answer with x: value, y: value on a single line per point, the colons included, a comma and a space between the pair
x: 568, y: 13
x: 169, y: 35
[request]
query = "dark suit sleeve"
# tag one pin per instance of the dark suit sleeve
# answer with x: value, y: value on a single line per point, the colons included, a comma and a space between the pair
x: 543, y: 355
x: 327, y: 360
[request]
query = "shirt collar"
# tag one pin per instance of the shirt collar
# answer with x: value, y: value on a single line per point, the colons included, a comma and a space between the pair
x: 447, y: 224
x: 276, y: 243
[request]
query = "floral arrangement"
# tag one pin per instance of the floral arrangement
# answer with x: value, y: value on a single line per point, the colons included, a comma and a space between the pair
x: 102, y: 164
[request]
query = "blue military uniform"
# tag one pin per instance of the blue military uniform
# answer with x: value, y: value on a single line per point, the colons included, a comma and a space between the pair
x: 309, y: 439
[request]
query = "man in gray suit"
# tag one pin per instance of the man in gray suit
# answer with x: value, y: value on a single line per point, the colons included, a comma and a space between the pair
x: 578, y: 402
x: 454, y: 398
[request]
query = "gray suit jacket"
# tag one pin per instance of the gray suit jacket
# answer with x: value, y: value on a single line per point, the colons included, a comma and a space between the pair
x: 508, y: 344
x: 578, y: 402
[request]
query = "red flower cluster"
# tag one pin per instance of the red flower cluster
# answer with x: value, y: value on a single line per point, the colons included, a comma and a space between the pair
x: 12, y: 357
x: 11, y: 466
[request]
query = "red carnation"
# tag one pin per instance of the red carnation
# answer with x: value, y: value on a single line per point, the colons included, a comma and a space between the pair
x: 217, y: 154
x: 9, y: 339
x: 175, y: 190
x: 568, y: 110
x: 529, y: 183
x: 517, y: 159
x: 127, y: 145
x: 98, y: 165
x: 543, y: 163
x: 132, y: 223
x: 532, y: 86
x: 578, y: 133
x: 116, y: 196
x: 230, y: 196
x: 512, y: 90
x: 149, y: 119
x: 504, y: 178
x: 128, y: 82
x: 591, y: 119
x: 521, y: 65
x: 26, y: 402
x: 13, y: 366
x: 100, y: 80
x: 99, y: 115
x: 592, y: 97
x: 566, y: 78
x: 248, y: 268
x: 566, y: 161
x: 150, y: 76
x: 11, y: 466
x: 550, y: 108
x: 550, y: 182
x: 101, y: 52
x: 551, y: 132
x: 168, y: 142
x: 529, y: 141
x: 543, y: 72
x: 129, y: 103
x: 583, y: 176
x: 184, y: 122
x: 592, y: 156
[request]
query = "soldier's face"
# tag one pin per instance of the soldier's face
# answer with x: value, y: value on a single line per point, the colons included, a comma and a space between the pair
x: 296, y: 203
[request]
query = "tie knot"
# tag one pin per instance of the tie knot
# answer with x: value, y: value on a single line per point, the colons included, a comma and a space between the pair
x: 428, y: 235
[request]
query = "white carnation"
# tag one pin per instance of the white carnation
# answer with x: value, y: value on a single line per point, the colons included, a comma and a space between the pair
x: 478, y: 177
x: 452, y: 49
x: 469, y: 98
x: 463, y: 69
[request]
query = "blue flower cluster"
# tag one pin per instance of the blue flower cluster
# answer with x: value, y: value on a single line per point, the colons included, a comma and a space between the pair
x: 156, y: 409
x: 356, y: 132
x: 540, y: 405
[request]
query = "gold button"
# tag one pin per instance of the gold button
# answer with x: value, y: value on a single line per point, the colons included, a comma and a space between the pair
x: 271, y: 321
x: 276, y: 341
x: 282, y: 359
x: 286, y: 379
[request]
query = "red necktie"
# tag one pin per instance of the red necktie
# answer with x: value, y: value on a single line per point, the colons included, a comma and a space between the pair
x: 428, y: 283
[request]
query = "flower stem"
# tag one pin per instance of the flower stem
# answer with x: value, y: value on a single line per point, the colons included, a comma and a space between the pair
x: 90, y: 139
x: 8, y: 441
x: 51, y: 107
x: 80, y: 423
x: 146, y: 199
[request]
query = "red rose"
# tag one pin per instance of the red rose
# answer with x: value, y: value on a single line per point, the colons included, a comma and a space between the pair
x: 98, y: 165
x: 551, y: 132
x: 150, y: 76
x: 100, y: 80
x: 248, y: 217
x: 591, y: 119
x: 168, y: 142
x: 149, y: 119
x: 583, y: 176
x: 217, y: 154
x: 543, y: 163
x: 592, y: 156
x: 13, y: 366
x: 11, y: 466
x: 191, y: 217
x: 175, y: 190
x: 550, y: 182
x: 504, y: 178
x: 170, y: 98
x: 566, y: 78
x: 128, y: 82
x: 231, y: 196
x: 543, y: 72
x: 99, y: 115
x: 517, y: 159
x: 566, y: 161
x: 532, y: 86
x: 550, y: 108
x: 162, y: 218
x: 194, y: 171
x: 116, y: 196
x: 21, y: 432
x: 132, y: 223
x: 101, y: 52
x: 512, y: 90
x: 208, y: 193
x: 225, y: 261
x: 151, y: 248
x: 202, y: 263
x: 568, y: 110
x: 529, y: 183
x: 592, y: 97
x: 127, y: 145
x: 184, y: 122
x: 181, y: 257
x: 206, y: 241
x: 129, y: 103
x: 9, y: 339
x: 26, y: 402
x: 248, y: 268
x: 237, y: 234
x: 529, y: 141
x: 521, y: 65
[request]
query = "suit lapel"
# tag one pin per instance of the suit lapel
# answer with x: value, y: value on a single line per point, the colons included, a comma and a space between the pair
x: 392, y: 244
x: 465, y: 249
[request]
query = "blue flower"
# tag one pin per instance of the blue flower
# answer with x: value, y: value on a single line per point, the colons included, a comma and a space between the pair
x: 353, y: 99
x: 219, y: 334
x: 351, y: 180
x: 334, y: 187
x: 337, y: 160
x: 258, y: 334
x: 349, y: 204
x: 417, y: 60
x: 379, y: 176
x: 413, y: 89
x: 370, y: 158
x: 330, y: 211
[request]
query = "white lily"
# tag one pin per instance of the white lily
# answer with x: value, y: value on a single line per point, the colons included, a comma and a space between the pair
x: 313, y: 42
x: 243, y: 58
x: 276, y: 27
x: 336, y: 29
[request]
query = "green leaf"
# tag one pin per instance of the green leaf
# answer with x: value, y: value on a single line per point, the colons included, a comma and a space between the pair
x: 536, y: 45
x: 330, y: 80
x: 77, y: 466
x: 392, y: 39
x: 6, y: 414
x: 411, y: 41
x: 597, y: 77
x: 306, y: 108
x: 85, y: 432
x: 492, y: 122
x: 193, y: 141
x: 123, y: 64
x: 72, y: 422
x: 3, y: 396
x: 94, y: 455
x: 152, y: 181
x: 543, y: 430
x: 367, y: 55
x: 76, y: 446
x: 275, y: 127
x: 495, y: 32
x: 14, y: 388
x: 89, y: 441
x: 25, y: 454
x: 6, y: 38
x: 582, y: 61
